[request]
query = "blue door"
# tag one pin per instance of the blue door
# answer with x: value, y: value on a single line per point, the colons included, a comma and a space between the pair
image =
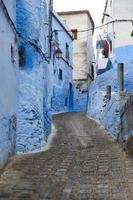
x: 70, y: 97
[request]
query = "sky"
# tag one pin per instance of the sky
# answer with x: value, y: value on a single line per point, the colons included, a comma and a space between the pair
x: 95, y: 7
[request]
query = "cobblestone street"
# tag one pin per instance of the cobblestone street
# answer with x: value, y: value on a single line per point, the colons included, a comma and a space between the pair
x: 83, y: 163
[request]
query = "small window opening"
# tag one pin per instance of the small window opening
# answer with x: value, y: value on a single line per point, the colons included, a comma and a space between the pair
x: 56, y: 36
x: 21, y: 56
x: 60, y: 74
x: 12, y: 54
x: 110, y: 43
x: 67, y: 52
x: 92, y: 72
x: 75, y: 34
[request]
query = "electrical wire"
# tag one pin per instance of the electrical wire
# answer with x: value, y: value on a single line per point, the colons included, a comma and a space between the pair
x: 32, y: 41
x: 100, y: 26
x: 2, y: 4
x: 80, y: 31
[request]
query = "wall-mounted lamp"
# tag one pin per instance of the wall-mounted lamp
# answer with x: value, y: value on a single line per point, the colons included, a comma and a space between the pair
x: 132, y: 34
x: 58, y: 53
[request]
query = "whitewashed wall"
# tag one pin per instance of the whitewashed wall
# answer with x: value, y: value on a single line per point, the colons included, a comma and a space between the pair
x: 83, y: 47
x: 120, y: 10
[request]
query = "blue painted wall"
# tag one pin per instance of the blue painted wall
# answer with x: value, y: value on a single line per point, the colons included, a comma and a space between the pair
x: 34, y: 120
x: 61, y: 90
x: 80, y: 100
x: 107, y: 113
x: 124, y: 54
x: 8, y: 83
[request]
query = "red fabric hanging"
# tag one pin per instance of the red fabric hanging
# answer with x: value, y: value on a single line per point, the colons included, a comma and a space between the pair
x: 106, y: 49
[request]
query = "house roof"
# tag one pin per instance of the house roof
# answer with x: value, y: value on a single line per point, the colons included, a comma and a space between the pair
x: 78, y: 12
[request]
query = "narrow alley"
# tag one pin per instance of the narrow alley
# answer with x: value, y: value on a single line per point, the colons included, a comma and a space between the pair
x: 82, y: 163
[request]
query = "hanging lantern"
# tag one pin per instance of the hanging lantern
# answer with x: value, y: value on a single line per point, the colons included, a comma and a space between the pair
x: 58, y: 53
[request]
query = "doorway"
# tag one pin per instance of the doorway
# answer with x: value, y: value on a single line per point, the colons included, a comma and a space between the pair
x: 70, y: 103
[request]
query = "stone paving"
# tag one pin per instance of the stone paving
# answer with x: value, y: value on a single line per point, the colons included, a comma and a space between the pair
x: 83, y: 163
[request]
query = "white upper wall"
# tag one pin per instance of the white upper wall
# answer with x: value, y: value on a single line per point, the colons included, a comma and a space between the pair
x: 123, y: 9
x: 64, y: 36
x: 120, y: 10
x: 82, y: 47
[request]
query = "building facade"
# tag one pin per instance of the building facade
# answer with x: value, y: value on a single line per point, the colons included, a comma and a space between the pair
x: 8, y: 79
x: 60, y: 68
x: 34, y: 81
x: 115, y: 43
x: 34, y: 121
x: 82, y: 27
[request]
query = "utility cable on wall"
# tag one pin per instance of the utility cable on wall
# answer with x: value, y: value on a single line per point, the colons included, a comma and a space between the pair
x: 19, y: 35
x: 2, y: 4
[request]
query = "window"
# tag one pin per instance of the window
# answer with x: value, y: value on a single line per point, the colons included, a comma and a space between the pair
x: 21, y: 56
x: 67, y: 52
x: 110, y: 44
x: 12, y: 54
x: 75, y: 34
x: 60, y: 74
x: 56, y: 36
x: 92, y: 72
